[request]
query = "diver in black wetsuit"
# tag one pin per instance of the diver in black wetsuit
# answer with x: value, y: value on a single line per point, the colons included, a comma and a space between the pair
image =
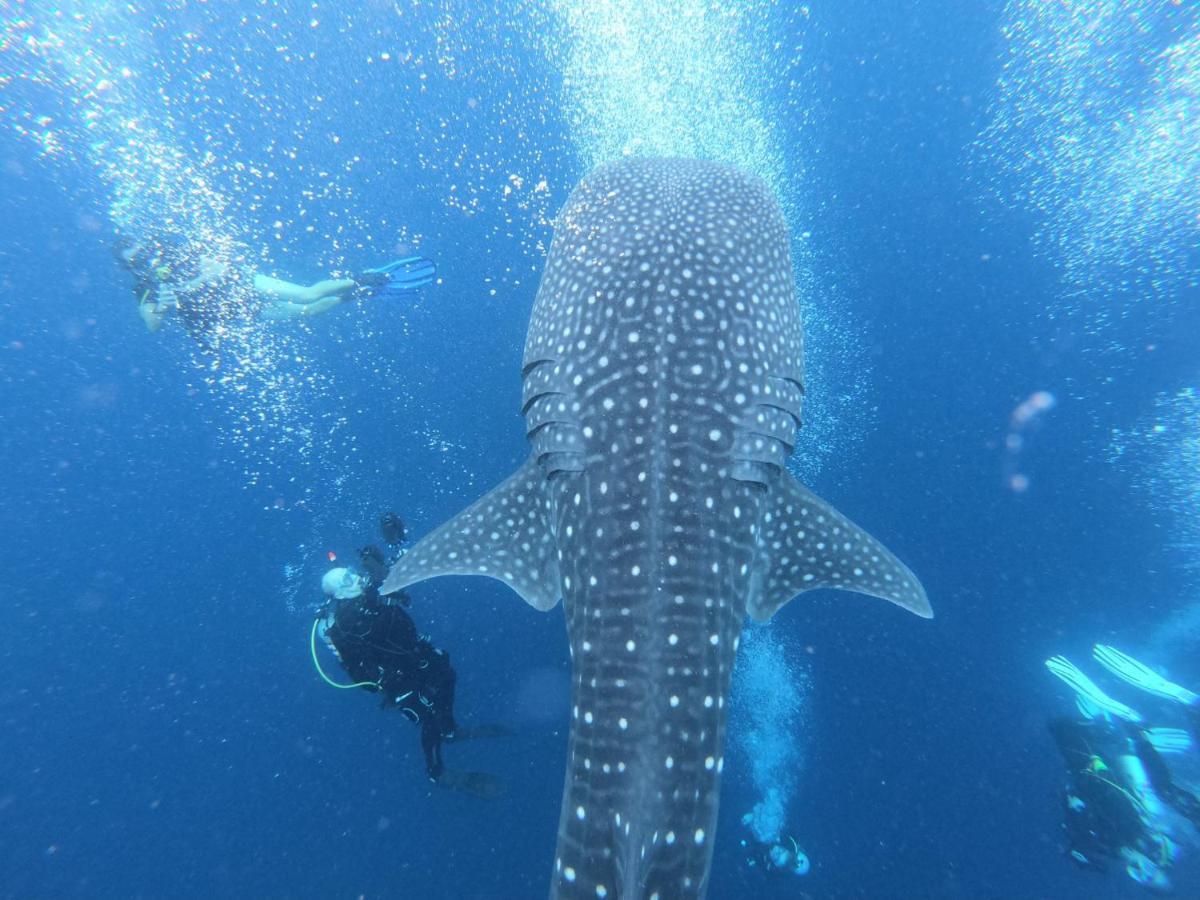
x: 1130, y: 784
x: 1118, y: 792
x: 378, y: 645
x: 1102, y: 817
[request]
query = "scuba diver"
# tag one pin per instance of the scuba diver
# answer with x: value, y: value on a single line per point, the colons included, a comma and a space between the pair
x: 778, y: 855
x: 377, y: 644
x: 391, y: 526
x: 1110, y: 810
x: 783, y: 857
x: 209, y: 295
x: 786, y: 859
x: 1124, y: 801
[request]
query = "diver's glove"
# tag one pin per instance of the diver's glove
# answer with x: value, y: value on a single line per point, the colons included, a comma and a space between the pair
x: 1067, y: 671
x: 1141, y: 676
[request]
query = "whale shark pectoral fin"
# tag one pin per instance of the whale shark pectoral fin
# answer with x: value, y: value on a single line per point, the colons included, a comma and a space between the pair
x: 504, y: 535
x: 807, y: 544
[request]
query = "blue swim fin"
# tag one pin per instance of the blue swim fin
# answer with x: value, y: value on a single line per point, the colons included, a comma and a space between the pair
x: 404, y: 275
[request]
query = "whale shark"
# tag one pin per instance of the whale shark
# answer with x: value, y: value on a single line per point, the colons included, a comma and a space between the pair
x: 663, y: 378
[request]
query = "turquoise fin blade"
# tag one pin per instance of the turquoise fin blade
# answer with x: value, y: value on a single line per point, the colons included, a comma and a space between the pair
x: 1066, y: 671
x: 1141, y: 676
x: 1169, y: 740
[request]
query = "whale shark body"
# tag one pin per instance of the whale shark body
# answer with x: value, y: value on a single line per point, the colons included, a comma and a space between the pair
x: 663, y: 380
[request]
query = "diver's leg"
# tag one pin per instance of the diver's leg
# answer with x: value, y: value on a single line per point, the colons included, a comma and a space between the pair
x: 448, y: 702
x: 431, y: 746
x: 442, y: 682
x: 1185, y: 803
x: 277, y: 310
x: 278, y: 289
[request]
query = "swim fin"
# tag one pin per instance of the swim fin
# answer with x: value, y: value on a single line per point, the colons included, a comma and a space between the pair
x: 1169, y: 740
x: 401, y: 276
x: 1141, y: 676
x: 1067, y: 671
x: 480, y: 785
x: 1088, y: 709
x: 478, y: 732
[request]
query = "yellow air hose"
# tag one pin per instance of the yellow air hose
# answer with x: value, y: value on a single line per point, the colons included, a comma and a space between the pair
x: 312, y: 643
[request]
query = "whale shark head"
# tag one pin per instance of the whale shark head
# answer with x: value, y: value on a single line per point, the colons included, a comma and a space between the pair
x: 663, y: 382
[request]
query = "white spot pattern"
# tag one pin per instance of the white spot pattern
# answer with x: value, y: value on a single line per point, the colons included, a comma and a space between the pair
x: 663, y: 381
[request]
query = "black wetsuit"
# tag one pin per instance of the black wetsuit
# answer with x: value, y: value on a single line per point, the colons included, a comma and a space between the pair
x: 377, y: 641
x: 1099, y: 815
x: 1108, y: 819
x: 1180, y: 799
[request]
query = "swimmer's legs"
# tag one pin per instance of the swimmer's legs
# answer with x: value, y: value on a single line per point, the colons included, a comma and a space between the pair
x: 278, y: 289
x: 289, y: 300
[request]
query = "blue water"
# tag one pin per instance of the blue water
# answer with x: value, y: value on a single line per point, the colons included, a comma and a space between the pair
x: 162, y: 731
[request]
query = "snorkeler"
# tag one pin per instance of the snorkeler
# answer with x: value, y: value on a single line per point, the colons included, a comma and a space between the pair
x: 209, y: 295
x: 377, y: 644
x: 1123, y: 802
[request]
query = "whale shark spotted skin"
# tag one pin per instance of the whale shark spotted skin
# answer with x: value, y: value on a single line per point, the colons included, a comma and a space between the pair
x: 663, y: 379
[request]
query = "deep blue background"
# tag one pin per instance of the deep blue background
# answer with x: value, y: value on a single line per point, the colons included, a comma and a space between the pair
x: 162, y: 731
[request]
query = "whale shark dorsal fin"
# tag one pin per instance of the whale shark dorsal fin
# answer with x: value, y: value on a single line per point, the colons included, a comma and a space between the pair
x: 504, y: 535
x: 806, y: 544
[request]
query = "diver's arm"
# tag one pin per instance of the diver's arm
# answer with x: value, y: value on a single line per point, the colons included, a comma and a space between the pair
x: 277, y: 289
x: 155, y: 304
